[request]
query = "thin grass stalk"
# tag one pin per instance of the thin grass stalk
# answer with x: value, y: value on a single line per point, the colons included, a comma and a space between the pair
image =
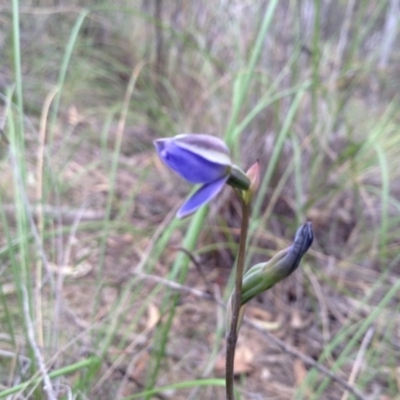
x: 20, y: 140
x: 266, y: 101
x: 347, y: 330
x: 63, y: 71
x: 311, y: 379
x: 160, y: 62
x: 375, y: 354
x: 113, y: 173
x: 154, y: 251
x: 17, y: 147
x: 14, y: 266
x: 280, y: 140
x: 389, y: 32
x: 241, y: 85
x: 358, y: 335
x: 344, y: 36
x: 299, y: 193
x: 316, y: 58
x: 69, y: 369
x: 385, y: 192
x: 367, y: 26
x: 21, y: 272
x: 40, y: 218
x: 359, y: 361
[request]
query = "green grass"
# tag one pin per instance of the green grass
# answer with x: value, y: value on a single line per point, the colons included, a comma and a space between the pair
x: 81, y: 101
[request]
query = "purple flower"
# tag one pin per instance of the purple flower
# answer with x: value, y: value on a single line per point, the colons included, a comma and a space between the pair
x: 200, y: 159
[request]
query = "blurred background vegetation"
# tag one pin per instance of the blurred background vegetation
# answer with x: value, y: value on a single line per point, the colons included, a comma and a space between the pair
x: 88, y: 241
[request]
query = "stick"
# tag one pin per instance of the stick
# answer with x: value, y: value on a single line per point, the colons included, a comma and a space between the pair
x: 307, y: 360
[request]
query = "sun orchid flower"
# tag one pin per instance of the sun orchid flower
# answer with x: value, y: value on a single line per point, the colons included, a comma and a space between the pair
x: 200, y: 159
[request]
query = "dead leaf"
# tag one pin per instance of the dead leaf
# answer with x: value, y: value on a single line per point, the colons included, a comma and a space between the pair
x: 153, y: 316
x: 73, y: 116
x: 244, y: 357
x: 262, y: 319
x: 75, y: 271
x: 243, y: 360
x: 296, y: 320
x: 259, y: 313
x: 397, y: 374
x: 299, y: 371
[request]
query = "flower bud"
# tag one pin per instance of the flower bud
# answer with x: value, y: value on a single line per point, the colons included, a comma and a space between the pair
x: 253, y: 173
x: 263, y: 276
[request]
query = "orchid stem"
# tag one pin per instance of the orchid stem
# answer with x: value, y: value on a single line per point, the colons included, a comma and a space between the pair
x: 233, y: 333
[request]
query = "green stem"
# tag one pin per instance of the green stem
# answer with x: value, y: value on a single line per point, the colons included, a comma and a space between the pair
x: 233, y: 333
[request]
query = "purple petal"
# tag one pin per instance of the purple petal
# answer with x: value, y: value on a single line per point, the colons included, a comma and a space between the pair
x: 209, y: 147
x: 189, y: 165
x: 202, y: 196
x: 302, y: 242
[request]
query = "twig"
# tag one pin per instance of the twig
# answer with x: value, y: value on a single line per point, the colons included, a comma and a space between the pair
x: 195, y: 260
x: 24, y: 364
x: 67, y: 214
x: 48, y: 388
x: 178, y: 286
x: 359, y: 359
x: 307, y: 360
